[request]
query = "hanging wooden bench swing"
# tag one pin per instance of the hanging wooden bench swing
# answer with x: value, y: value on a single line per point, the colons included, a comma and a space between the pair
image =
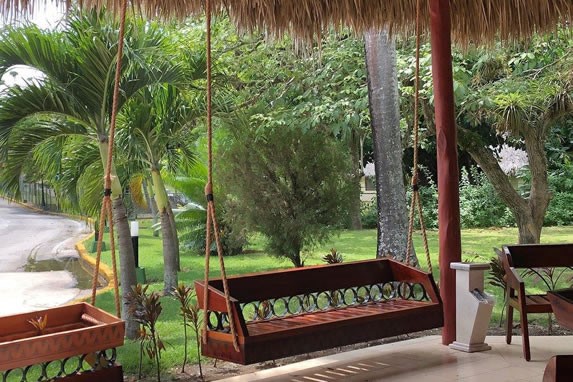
x: 75, y: 342
x: 266, y: 316
x: 289, y: 312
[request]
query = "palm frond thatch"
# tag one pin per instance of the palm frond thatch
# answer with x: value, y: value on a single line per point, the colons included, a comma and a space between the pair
x: 472, y: 20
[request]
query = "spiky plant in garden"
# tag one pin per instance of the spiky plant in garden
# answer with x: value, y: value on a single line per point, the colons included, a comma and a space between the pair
x: 183, y: 295
x: 189, y: 310
x: 40, y: 324
x: 496, y: 279
x: 334, y: 257
x: 146, y: 308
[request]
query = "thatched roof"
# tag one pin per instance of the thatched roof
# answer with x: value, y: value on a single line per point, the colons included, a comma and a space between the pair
x: 472, y: 20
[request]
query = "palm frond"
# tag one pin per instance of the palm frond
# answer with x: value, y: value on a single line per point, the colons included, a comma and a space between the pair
x: 28, y: 136
x: 136, y: 191
x: 90, y: 188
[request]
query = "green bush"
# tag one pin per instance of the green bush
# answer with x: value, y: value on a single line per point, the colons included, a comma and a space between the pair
x: 429, y: 197
x: 289, y: 184
x: 369, y: 214
x: 480, y: 206
x: 560, y: 211
x: 193, y: 236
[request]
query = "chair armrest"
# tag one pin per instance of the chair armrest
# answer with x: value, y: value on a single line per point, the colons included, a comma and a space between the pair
x: 512, y: 279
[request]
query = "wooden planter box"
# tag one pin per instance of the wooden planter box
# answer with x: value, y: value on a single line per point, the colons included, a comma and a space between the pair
x: 71, y: 330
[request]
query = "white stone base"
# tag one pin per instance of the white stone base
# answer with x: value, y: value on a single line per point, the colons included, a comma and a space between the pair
x: 471, y: 348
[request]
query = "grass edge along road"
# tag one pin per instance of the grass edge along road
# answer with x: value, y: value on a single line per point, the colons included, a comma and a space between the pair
x: 477, y: 246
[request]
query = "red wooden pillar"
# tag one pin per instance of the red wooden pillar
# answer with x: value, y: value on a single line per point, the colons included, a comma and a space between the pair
x: 448, y: 184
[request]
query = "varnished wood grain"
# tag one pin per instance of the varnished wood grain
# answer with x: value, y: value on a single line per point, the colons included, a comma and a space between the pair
x: 562, y: 304
x: 514, y: 257
x: 279, y: 337
x: 559, y: 369
x: 540, y: 255
x: 66, y: 335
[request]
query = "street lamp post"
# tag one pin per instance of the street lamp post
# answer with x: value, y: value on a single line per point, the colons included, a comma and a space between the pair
x: 134, y: 231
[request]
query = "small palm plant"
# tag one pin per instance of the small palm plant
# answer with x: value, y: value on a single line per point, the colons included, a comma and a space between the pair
x: 496, y: 278
x: 146, y: 308
x: 40, y: 324
x: 189, y: 310
x: 334, y: 257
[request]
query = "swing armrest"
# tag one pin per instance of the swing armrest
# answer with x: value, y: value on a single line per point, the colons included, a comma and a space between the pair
x: 217, y: 301
x: 406, y: 273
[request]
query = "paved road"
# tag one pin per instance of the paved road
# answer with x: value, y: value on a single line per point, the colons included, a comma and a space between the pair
x: 29, y: 237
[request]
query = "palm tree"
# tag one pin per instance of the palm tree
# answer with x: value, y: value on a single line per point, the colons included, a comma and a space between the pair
x: 155, y: 129
x: 73, y: 98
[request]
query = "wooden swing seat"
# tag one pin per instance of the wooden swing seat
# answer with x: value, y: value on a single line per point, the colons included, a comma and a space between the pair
x: 71, y: 330
x: 283, y: 313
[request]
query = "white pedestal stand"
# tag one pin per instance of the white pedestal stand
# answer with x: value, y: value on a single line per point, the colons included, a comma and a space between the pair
x: 473, y: 307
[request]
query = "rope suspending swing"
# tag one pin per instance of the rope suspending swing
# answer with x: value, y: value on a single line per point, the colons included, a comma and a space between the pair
x: 212, y: 225
x: 236, y: 337
x: 416, y: 203
x: 106, y: 211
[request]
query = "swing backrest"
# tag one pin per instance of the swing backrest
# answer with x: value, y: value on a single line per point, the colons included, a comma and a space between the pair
x: 298, y: 281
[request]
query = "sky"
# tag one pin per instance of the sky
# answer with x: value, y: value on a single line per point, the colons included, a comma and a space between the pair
x: 45, y: 16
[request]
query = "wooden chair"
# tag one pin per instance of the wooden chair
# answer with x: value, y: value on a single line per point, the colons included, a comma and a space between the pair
x: 514, y: 257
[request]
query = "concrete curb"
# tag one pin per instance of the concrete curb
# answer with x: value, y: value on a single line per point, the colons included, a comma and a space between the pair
x: 104, y: 270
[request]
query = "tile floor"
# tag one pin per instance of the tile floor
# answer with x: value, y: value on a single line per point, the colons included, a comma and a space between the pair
x: 425, y: 359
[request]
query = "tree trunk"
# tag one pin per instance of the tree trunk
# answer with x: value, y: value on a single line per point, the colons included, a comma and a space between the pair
x: 127, y: 277
x: 385, y: 123
x: 170, y: 248
x: 170, y: 279
x: 528, y: 213
x: 175, y: 235
x: 539, y: 194
x: 529, y: 231
x: 148, y: 191
x: 355, y: 204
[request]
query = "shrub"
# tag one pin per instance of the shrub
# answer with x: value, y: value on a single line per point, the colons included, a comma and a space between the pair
x: 479, y: 204
x: 560, y: 210
x: 369, y: 214
x: 429, y: 197
x: 289, y: 184
x: 146, y: 308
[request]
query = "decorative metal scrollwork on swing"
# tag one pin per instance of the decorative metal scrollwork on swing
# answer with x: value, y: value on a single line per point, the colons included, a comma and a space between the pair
x: 288, y: 306
x: 61, y: 368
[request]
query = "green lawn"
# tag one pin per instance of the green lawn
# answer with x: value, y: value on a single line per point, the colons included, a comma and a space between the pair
x: 353, y: 245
